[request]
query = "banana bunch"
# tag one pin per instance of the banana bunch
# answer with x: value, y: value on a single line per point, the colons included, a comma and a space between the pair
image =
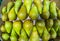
x: 30, y: 20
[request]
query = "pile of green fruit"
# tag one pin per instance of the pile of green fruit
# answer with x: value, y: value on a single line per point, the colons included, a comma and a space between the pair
x: 30, y: 20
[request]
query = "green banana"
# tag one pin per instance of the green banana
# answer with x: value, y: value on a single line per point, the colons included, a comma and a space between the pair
x: 11, y: 14
x: 17, y: 5
x: 46, y: 35
x: 17, y: 26
x: 53, y: 12
x: 33, y: 13
x: 28, y: 4
x: 34, y: 36
x: 22, y: 13
x: 45, y: 13
x: 27, y: 25
x: 8, y: 26
x: 23, y: 36
x: 4, y: 10
x: 9, y: 6
x: 53, y: 33
x: 38, y: 3
x: 40, y: 24
x: 5, y: 36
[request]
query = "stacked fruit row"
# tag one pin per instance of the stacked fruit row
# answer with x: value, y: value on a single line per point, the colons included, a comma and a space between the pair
x: 22, y: 20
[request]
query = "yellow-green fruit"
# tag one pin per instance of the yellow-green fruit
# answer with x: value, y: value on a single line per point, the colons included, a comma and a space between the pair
x: 34, y: 36
x: 28, y: 25
x: 11, y: 14
x: 4, y: 10
x: 33, y: 13
x: 28, y: 4
x: 58, y: 14
x: 22, y: 13
x: 4, y: 17
x: 2, y: 28
x: 17, y: 25
x: 8, y: 26
x: 5, y: 36
x: 9, y: 6
x: 38, y: 3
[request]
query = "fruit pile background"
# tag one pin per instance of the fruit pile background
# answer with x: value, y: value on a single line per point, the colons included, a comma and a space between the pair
x: 30, y: 20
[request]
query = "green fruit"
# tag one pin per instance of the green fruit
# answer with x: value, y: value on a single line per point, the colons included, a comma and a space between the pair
x: 40, y: 24
x: 46, y: 13
x: 38, y: 3
x: 13, y: 38
x: 17, y: 26
x: 9, y: 6
x: 17, y: 5
x: 53, y: 12
x: 33, y: 13
x: 58, y: 14
x: 46, y: 35
x: 34, y: 36
x: 4, y: 17
x: 11, y: 14
x: 2, y: 28
x: 22, y: 13
x: 53, y: 33
x: 4, y: 10
x: 23, y: 36
x: 27, y: 25
x: 28, y: 4
x: 8, y: 26
x: 5, y: 36
x: 58, y: 32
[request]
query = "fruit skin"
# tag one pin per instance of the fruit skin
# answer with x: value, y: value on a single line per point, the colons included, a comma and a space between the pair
x: 22, y: 13
x: 34, y: 36
x: 8, y: 26
x: 45, y: 13
x: 38, y: 3
x: 4, y: 10
x: 17, y: 26
x: 40, y: 24
x: 56, y: 25
x: 27, y: 25
x: 2, y: 28
x: 12, y: 15
x: 53, y: 33
x: 23, y: 36
x: 29, y: 4
x: 9, y: 6
x: 53, y: 12
x: 46, y: 35
x: 5, y: 36
x: 58, y: 13
x: 4, y: 17
x: 49, y: 24
x: 17, y: 5
x: 34, y: 13
x: 58, y: 32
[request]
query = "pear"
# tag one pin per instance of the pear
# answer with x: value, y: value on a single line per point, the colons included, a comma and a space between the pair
x: 53, y: 33
x: 9, y: 6
x: 46, y: 35
x: 17, y: 5
x: 34, y: 13
x: 12, y: 15
x: 28, y: 25
x: 5, y: 36
x: 22, y: 13
x: 34, y: 35
x: 8, y: 26
x: 23, y: 36
x: 28, y: 4
x: 4, y: 17
x: 53, y: 12
x: 40, y: 24
x: 17, y: 26
x: 38, y: 3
